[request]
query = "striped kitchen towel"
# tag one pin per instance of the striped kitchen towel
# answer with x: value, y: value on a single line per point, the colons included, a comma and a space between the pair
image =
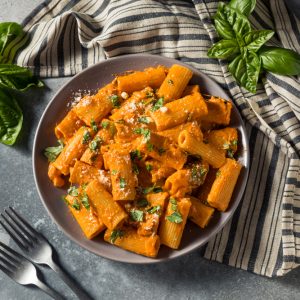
x: 69, y: 35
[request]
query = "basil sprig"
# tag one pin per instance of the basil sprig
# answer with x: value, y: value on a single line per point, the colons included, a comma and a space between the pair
x: 243, y: 47
x: 12, y: 77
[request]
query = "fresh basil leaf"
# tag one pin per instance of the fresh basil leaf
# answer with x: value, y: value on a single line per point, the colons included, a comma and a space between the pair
x: 117, y: 233
x: 246, y: 68
x: 142, y: 203
x: 73, y: 191
x: 154, y: 209
x: 12, y: 38
x: 52, y: 152
x: 17, y: 78
x: 230, y: 23
x: 11, y: 119
x: 256, y: 38
x: 143, y: 131
x: 85, y: 200
x: 175, y: 217
x: 152, y: 189
x: 75, y: 204
x: 123, y: 183
x: 136, y: 215
x: 280, y: 61
x: 158, y: 104
x: 135, y: 154
x: 245, y: 7
x: 224, y: 49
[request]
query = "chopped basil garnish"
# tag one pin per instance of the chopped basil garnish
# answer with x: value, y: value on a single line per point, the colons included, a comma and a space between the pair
x: 149, y: 167
x: 114, y: 172
x: 136, y: 215
x: 158, y: 104
x: 175, y: 217
x: 104, y: 124
x: 170, y: 81
x: 76, y: 204
x: 161, y: 151
x: 64, y: 198
x: 115, y: 101
x: 94, y: 125
x: 73, y: 191
x: 135, y: 169
x: 52, y: 152
x: 154, y: 209
x: 135, y: 154
x: 234, y: 142
x: 149, y: 94
x: 142, y: 203
x: 143, y: 131
x: 95, y: 144
x: 144, y: 120
x: 218, y: 173
x: 122, y: 183
x: 149, y: 146
x: 85, y: 200
x: 230, y: 153
x: 152, y: 189
x: 86, y: 137
x: 118, y: 233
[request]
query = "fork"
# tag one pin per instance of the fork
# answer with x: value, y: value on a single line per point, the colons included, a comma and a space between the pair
x: 36, y: 247
x: 21, y: 270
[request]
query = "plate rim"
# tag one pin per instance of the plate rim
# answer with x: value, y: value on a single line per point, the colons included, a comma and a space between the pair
x: 181, y: 251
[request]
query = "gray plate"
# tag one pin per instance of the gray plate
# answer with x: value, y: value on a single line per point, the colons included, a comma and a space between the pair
x: 93, y: 78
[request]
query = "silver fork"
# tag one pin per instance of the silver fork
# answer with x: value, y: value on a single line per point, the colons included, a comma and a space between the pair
x: 22, y: 270
x: 36, y: 247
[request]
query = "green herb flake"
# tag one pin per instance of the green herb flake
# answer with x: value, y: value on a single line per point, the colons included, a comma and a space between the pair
x: 135, y: 154
x: 122, y: 183
x: 142, y: 203
x: 114, y: 172
x: 170, y: 81
x: 75, y: 204
x: 84, y: 185
x: 52, y: 152
x: 115, y: 101
x: 154, y: 209
x: 94, y: 125
x: 118, y: 233
x: 161, y: 151
x: 149, y: 146
x: 144, y: 120
x: 136, y: 215
x: 230, y: 153
x: 173, y: 204
x: 234, y: 142
x: 85, y: 200
x: 105, y: 124
x: 149, y: 167
x: 158, y: 104
x: 143, y: 131
x: 95, y: 144
x: 73, y: 191
x: 86, y: 137
x: 218, y: 173
x: 135, y: 169
x: 152, y: 189
x: 64, y: 198
x: 149, y: 94
x: 175, y: 217
x: 226, y: 146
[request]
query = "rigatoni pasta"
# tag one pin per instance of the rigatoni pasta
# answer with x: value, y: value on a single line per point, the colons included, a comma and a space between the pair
x: 143, y: 156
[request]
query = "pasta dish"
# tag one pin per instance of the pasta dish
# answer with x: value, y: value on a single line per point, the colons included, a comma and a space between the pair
x: 144, y: 155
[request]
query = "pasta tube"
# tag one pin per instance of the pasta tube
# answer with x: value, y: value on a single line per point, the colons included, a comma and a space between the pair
x: 188, y: 108
x: 83, y: 173
x: 73, y: 150
x: 55, y: 176
x: 96, y: 107
x: 173, y: 223
x: 68, y: 126
x: 222, y: 188
x: 189, y: 143
x: 136, y: 81
x: 191, y: 89
x: 122, y: 177
x: 111, y: 213
x: 200, y: 213
x: 87, y: 219
x: 175, y: 83
x: 128, y: 239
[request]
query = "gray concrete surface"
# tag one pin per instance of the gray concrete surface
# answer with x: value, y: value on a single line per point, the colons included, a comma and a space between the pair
x: 189, y: 277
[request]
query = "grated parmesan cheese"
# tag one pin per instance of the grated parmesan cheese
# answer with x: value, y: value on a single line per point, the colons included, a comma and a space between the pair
x: 163, y: 109
x: 124, y: 95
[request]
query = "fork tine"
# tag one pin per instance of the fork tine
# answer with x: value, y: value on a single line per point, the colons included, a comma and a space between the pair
x: 7, y: 263
x: 12, y: 252
x: 14, y: 237
x: 6, y: 271
x: 5, y: 255
x: 22, y: 228
x: 28, y: 226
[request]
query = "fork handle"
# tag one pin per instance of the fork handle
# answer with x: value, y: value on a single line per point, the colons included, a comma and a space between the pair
x: 67, y: 279
x: 47, y: 290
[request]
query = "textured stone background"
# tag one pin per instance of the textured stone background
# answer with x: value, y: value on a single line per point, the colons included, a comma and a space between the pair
x: 189, y: 277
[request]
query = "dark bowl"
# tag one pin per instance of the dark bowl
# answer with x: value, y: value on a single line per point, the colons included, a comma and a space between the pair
x: 93, y: 78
